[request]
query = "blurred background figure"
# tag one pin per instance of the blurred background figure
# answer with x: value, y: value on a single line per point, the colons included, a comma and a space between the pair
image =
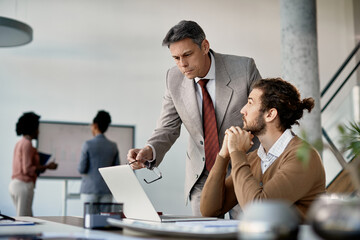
x: 97, y: 153
x: 26, y: 164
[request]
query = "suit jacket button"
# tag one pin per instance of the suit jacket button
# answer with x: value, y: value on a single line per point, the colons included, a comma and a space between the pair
x: 261, y: 184
x: 201, y: 142
x: 196, y: 176
x: 203, y: 158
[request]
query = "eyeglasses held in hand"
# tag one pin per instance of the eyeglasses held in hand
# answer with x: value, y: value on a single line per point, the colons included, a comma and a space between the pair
x: 155, y: 170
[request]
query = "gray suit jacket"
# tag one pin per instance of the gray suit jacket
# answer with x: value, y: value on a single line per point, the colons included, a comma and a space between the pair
x: 96, y: 153
x: 234, y: 78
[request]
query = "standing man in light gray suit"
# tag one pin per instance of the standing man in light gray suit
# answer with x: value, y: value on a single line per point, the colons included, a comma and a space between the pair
x: 229, y: 83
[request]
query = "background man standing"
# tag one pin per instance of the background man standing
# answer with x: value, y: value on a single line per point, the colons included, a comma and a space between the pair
x: 205, y: 92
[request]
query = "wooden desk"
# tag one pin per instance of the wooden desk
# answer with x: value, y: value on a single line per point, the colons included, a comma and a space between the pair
x: 73, y: 221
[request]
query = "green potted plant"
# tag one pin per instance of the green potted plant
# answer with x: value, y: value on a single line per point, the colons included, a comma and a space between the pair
x: 350, y: 140
x: 337, y: 216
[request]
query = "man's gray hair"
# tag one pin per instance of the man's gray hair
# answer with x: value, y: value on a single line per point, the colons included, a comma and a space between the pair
x: 184, y: 29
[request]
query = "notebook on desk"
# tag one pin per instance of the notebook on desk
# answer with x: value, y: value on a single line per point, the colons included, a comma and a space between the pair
x: 126, y: 189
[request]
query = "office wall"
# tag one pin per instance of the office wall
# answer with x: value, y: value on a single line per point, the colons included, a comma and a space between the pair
x: 91, y: 55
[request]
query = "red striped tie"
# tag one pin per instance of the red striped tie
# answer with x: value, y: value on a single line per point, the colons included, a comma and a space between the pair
x: 209, y: 125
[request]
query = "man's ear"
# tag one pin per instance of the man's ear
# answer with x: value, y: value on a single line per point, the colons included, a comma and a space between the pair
x: 205, y: 46
x: 271, y: 115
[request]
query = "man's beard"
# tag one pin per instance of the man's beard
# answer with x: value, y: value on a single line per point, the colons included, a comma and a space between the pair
x: 257, y: 127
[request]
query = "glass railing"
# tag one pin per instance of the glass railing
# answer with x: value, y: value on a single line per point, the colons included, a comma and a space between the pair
x: 339, y: 113
x: 340, y: 106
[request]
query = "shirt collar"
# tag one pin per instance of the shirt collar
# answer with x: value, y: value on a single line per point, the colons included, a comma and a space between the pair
x: 279, y: 146
x: 211, y: 74
x: 261, y: 152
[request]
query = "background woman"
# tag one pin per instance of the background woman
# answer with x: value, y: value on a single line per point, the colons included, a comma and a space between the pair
x: 96, y: 153
x: 26, y: 164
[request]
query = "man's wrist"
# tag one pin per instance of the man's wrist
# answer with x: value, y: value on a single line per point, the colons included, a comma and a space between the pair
x: 238, y: 150
x: 238, y: 158
x: 223, y: 155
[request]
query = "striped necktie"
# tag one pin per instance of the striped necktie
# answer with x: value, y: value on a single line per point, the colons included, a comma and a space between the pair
x: 209, y: 126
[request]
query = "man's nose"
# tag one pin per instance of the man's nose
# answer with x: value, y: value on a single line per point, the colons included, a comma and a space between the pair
x: 242, y: 111
x: 183, y: 62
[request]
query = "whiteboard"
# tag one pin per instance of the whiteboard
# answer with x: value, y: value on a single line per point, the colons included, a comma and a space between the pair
x: 64, y: 141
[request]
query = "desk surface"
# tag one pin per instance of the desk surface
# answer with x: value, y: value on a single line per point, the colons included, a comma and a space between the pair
x: 71, y: 228
x: 73, y: 221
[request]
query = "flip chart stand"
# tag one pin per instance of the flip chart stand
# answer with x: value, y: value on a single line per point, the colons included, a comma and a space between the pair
x: 67, y: 196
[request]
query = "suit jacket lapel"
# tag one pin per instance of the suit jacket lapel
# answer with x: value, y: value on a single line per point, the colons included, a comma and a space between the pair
x: 191, y: 105
x: 222, y: 99
x: 223, y: 92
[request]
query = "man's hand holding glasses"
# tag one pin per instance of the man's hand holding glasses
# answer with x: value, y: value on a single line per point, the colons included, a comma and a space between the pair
x: 138, y: 158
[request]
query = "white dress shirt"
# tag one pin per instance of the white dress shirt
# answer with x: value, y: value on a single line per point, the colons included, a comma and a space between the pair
x: 210, y: 86
x: 275, y: 151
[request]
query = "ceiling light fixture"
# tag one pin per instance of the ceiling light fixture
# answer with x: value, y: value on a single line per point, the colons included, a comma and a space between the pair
x: 14, y: 33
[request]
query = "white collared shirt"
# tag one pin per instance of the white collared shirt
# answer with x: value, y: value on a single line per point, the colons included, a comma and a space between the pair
x: 210, y: 86
x: 275, y: 151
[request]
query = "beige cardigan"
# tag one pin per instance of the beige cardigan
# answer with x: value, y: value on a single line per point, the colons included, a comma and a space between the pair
x: 287, y: 178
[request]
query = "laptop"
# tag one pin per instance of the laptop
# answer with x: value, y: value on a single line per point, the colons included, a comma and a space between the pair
x: 126, y: 189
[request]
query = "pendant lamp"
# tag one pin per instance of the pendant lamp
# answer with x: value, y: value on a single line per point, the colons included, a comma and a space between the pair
x: 14, y: 33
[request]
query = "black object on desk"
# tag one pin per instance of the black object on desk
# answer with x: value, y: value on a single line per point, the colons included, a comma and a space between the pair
x: 4, y: 217
x: 97, y: 213
x: 9, y: 221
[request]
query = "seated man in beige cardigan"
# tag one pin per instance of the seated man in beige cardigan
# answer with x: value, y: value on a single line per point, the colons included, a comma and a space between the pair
x: 274, y: 170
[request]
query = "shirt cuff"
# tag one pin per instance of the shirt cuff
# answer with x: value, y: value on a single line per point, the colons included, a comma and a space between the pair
x: 154, y: 153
